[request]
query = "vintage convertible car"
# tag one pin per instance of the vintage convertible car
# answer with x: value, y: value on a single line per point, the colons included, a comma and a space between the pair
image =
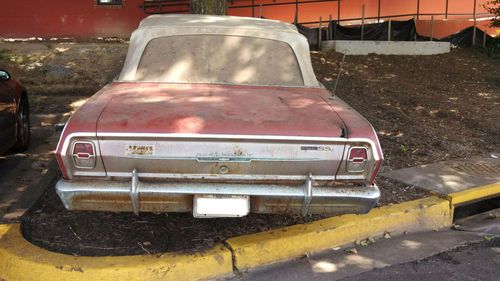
x: 14, y: 114
x: 218, y: 116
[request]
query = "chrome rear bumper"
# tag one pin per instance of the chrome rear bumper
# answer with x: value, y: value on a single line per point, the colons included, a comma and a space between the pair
x: 144, y: 196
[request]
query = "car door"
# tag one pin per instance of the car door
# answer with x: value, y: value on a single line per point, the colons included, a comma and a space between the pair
x: 7, y: 113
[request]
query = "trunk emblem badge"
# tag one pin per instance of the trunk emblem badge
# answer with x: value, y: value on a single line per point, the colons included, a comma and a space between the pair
x: 316, y: 148
x: 224, y: 170
x: 140, y: 150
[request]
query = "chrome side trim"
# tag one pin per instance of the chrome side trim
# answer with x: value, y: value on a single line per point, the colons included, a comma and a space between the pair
x: 307, y: 195
x: 243, y: 137
x: 233, y: 159
x: 219, y: 136
x: 220, y: 176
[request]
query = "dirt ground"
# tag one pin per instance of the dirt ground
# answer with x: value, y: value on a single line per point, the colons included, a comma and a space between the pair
x: 61, y: 76
x: 50, y: 226
x: 425, y: 109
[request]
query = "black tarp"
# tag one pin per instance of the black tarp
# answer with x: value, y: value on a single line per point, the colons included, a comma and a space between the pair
x: 400, y: 31
x: 310, y: 33
x: 464, y: 37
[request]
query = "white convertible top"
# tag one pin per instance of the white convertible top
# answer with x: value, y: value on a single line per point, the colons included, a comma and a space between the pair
x: 189, y: 20
x: 158, y: 26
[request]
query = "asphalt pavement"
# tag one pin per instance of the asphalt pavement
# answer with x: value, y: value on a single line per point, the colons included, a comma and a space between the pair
x: 25, y: 175
x: 478, y: 261
x: 468, y: 252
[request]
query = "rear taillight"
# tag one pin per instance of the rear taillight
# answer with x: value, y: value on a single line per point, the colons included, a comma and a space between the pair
x: 84, y: 154
x: 358, y: 156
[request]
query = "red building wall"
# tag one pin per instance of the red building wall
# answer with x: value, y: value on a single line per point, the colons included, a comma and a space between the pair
x: 67, y: 18
x: 83, y: 18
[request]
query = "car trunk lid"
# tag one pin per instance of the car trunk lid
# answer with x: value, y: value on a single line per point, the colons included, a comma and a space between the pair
x: 183, y: 130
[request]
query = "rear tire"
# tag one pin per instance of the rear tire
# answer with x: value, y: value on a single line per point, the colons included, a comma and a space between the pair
x: 22, y: 125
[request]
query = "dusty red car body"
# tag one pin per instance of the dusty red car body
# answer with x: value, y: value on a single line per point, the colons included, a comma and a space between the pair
x: 166, y: 147
x: 125, y: 108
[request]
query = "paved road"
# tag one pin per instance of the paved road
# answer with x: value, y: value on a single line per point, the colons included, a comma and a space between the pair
x: 440, y: 256
x: 22, y: 174
x: 474, y: 262
x: 10, y: 161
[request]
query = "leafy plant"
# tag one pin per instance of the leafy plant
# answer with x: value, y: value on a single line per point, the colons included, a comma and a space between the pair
x: 493, y: 43
x: 403, y: 148
x: 493, y: 7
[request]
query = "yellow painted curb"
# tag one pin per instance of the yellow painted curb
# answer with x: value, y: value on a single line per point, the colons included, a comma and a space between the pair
x: 432, y: 213
x: 22, y: 261
x: 474, y: 194
x: 286, y: 243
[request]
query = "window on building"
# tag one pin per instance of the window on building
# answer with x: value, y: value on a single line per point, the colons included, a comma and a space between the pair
x: 109, y: 2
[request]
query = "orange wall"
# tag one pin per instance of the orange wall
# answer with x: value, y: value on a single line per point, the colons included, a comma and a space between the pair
x: 82, y: 18
x: 352, y: 8
x: 443, y: 28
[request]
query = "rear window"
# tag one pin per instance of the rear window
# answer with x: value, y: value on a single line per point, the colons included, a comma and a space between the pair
x: 219, y: 59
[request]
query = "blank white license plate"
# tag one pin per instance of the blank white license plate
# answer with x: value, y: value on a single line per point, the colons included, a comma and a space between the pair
x: 217, y: 206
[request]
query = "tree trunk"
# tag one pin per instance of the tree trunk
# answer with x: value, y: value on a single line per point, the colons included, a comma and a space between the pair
x: 208, y: 7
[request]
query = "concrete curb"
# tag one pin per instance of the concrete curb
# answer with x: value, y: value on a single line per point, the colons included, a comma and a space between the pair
x: 22, y: 261
x: 242, y: 253
x: 249, y: 251
x: 474, y: 194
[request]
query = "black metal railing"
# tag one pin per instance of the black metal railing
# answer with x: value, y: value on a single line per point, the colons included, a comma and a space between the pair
x: 151, y: 7
x: 165, y: 6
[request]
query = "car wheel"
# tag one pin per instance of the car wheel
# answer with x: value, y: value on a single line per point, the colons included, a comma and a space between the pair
x: 23, y: 125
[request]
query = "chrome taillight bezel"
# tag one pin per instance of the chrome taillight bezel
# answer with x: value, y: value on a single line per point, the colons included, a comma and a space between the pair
x: 78, y: 161
x: 357, y: 164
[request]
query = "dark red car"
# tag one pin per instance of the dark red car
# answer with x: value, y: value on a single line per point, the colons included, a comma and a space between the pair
x: 14, y: 114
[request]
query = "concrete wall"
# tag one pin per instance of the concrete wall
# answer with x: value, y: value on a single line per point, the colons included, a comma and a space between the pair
x: 386, y: 47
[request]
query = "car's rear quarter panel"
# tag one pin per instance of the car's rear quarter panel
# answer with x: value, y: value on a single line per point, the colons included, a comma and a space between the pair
x: 82, y: 125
